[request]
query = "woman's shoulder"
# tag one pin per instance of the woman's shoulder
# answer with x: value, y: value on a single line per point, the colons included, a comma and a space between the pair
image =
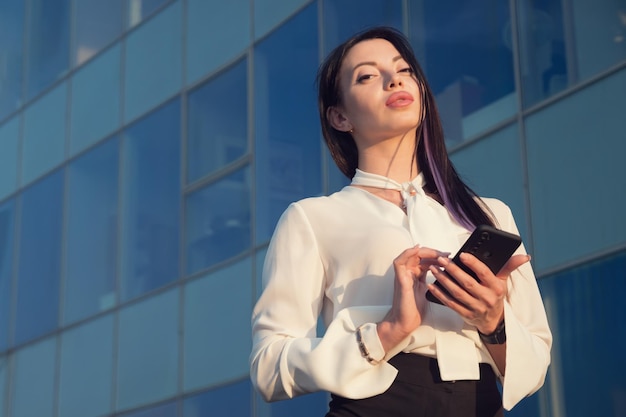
x: 316, y: 206
x: 498, y: 208
x: 495, y: 205
x: 324, y: 202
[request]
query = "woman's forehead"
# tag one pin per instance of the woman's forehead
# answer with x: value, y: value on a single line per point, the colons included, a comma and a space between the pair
x: 371, y: 50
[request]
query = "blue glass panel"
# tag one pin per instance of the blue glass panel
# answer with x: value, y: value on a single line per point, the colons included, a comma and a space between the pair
x: 139, y: 10
x: 87, y: 369
x: 310, y: 405
x: 7, y: 227
x: 9, y: 148
x: 217, y: 122
x: 270, y: 13
x: 344, y: 18
x: 4, y: 376
x: 499, y: 152
x: 91, y: 232
x: 153, y: 62
x: 96, y: 24
x: 584, y: 305
x: 43, y: 146
x: 218, y: 221
x: 39, y: 258
x: 151, y: 202
x: 600, y: 34
x: 164, y: 410
x: 95, y: 100
x: 217, y: 32
x: 11, y: 50
x: 468, y: 60
x: 288, y: 145
x: 225, y: 293
x: 33, y: 380
x: 543, y: 59
x: 148, y: 351
x: 576, y: 173
x: 233, y: 400
x: 48, y: 43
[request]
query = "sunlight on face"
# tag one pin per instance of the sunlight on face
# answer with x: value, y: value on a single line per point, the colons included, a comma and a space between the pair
x: 380, y: 95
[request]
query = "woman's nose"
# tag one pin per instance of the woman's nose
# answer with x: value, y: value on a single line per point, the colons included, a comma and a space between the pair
x: 394, y: 81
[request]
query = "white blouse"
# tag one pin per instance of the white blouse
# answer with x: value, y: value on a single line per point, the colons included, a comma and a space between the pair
x: 334, y: 256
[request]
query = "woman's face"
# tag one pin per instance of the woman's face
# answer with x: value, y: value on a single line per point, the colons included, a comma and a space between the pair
x: 381, y: 98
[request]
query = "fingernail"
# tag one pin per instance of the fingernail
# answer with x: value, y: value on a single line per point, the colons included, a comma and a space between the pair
x: 442, y: 260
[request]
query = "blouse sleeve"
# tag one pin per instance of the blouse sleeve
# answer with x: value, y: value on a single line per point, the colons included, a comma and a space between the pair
x: 528, y: 335
x: 288, y: 358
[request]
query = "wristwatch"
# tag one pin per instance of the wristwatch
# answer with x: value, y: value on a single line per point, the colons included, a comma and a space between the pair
x: 498, y: 337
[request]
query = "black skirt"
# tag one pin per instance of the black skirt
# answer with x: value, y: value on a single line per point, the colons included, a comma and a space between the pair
x: 418, y: 391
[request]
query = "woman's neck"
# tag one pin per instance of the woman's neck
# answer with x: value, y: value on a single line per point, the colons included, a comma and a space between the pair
x: 392, y: 158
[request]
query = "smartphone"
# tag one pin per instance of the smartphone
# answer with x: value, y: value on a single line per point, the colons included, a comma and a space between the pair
x: 491, y: 246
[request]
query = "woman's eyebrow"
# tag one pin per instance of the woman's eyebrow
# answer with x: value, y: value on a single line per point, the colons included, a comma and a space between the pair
x: 373, y: 63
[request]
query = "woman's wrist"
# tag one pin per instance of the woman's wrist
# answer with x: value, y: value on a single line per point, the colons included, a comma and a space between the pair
x: 391, y: 334
x: 496, y: 337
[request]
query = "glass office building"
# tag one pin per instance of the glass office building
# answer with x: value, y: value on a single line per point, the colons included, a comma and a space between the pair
x: 148, y: 147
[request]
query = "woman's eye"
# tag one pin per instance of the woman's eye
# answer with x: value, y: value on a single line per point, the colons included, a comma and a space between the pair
x: 408, y: 69
x: 364, y: 77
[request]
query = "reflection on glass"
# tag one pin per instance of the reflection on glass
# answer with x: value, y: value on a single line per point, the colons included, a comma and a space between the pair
x: 341, y: 21
x: 139, y: 10
x: 468, y: 60
x: 43, y: 146
x: 9, y: 148
x: 163, y: 410
x: 7, y: 227
x: 151, y: 202
x: 11, y: 50
x: 311, y: 405
x: 543, y: 60
x: 148, y: 351
x: 584, y: 304
x: 48, y: 44
x: 86, y: 369
x: 39, y: 258
x: 33, y: 380
x: 91, y: 232
x: 96, y: 24
x: 224, y: 293
x: 217, y: 32
x: 218, y: 122
x: 153, y: 70
x: 231, y: 400
x: 288, y: 139
x: 600, y: 34
x: 96, y: 91
x: 218, y: 221
x: 270, y: 13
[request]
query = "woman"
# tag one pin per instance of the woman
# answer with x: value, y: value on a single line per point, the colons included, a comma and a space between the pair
x: 364, y: 257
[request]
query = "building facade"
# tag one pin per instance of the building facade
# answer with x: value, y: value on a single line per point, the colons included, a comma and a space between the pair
x: 148, y: 147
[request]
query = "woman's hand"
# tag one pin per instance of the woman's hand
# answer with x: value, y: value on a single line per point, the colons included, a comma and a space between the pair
x: 409, y: 299
x: 479, y: 303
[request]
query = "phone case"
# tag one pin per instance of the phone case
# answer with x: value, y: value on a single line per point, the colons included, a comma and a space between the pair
x: 491, y: 246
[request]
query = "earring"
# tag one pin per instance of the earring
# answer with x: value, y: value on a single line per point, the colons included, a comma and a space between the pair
x: 351, y: 131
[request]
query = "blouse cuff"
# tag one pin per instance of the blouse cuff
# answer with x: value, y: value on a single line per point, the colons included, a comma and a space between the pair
x: 369, y: 343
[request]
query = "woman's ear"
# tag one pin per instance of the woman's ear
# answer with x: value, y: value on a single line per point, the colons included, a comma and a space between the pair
x: 338, y: 120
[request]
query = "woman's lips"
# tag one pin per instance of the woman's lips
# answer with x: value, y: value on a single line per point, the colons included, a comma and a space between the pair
x: 399, y: 99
